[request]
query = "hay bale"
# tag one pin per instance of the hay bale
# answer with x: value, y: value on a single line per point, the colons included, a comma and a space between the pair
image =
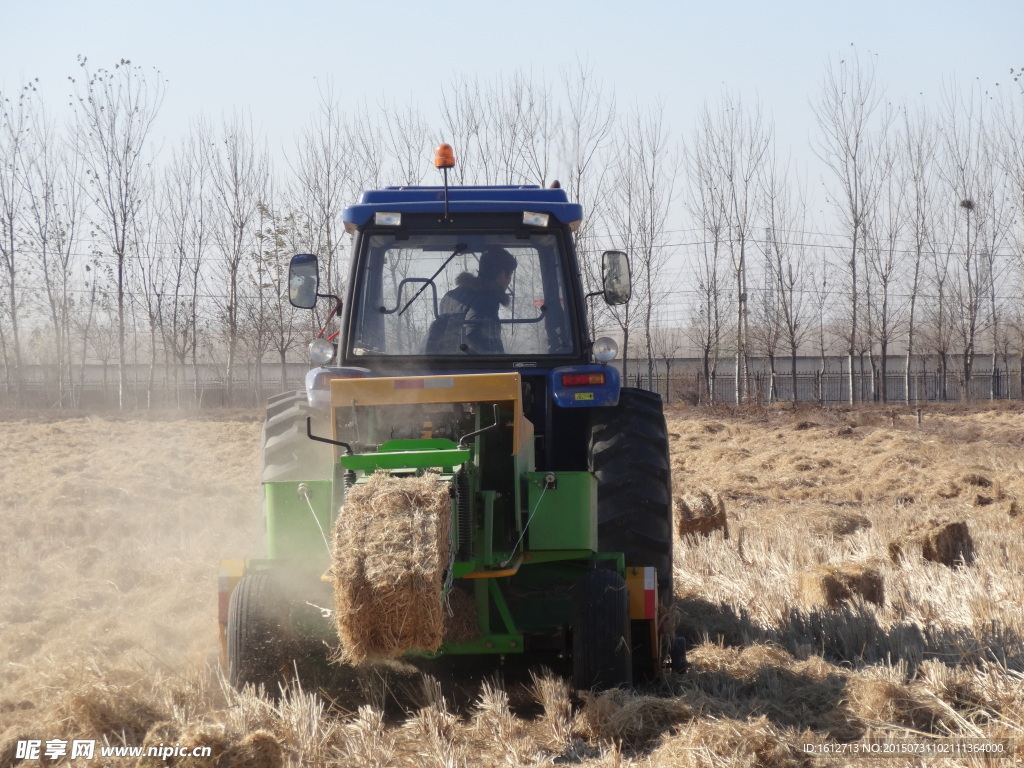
x: 832, y: 585
x: 630, y: 720
x: 213, y: 736
x: 390, y: 551
x: 700, y: 514
x: 948, y: 543
x: 839, y: 524
x: 977, y: 480
x: 259, y: 749
x: 875, y: 700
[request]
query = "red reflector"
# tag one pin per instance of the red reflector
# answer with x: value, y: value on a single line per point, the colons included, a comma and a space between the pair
x: 581, y: 379
x: 409, y: 383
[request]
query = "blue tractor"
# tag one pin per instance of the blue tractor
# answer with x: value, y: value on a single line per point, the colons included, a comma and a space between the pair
x: 464, y: 347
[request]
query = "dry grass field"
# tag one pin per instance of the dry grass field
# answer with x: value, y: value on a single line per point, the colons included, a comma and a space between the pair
x: 865, y: 580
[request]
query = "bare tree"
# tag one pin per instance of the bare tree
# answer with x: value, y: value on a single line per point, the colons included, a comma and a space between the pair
x: 326, y: 172
x: 257, y: 298
x: 186, y: 212
x: 965, y: 148
x: 1010, y: 155
x: 151, y: 287
x: 115, y: 111
x: 644, y: 184
x: 737, y: 144
x: 55, y: 210
x: 844, y: 109
x: 239, y: 174
x: 666, y: 343
x: 821, y: 295
x: 884, y: 233
x: 504, y: 129
x: 938, y: 309
x: 788, y: 265
x: 917, y: 170
x: 705, y: 203
x: 15, y: 119
x: 765, y: 333
x: 408, y: 143
x: 276, y: 243
x: 587, y: 123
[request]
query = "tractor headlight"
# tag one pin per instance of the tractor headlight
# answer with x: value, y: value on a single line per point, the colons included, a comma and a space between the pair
x: 321, y: 351
x: 605, y: 350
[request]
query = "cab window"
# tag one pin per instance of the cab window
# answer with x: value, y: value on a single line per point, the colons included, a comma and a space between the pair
x: 458, y: 294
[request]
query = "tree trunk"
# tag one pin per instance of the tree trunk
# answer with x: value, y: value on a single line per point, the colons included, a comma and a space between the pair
x: 968, y: 370
x: 883, y: 384
x: 792, y: 371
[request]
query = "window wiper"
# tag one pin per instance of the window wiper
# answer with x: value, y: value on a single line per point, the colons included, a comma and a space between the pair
x: 459, y: 248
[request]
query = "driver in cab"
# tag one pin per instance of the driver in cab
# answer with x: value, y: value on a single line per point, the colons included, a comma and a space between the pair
x: 467, y: 318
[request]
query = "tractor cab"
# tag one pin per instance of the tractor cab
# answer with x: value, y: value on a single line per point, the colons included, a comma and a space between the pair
x: 473, y: 280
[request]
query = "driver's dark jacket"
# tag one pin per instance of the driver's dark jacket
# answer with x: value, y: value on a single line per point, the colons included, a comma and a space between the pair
x: 468, y: 315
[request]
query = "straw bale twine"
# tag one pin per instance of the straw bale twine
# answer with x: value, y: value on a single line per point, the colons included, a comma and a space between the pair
x: 947, y: 543
x: 699, y: 514
x: 833, y: 585
x: 391, y: 547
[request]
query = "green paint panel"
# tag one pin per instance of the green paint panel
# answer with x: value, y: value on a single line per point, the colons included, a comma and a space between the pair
x: 292, y: 531
x: 419, y: 444
x: 369, y: 462
x: 566, y: 515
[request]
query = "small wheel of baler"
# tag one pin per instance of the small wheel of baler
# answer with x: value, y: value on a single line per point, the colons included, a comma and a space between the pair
x: 601, y: 656
x: 677, y: 656
x: 258, y: 635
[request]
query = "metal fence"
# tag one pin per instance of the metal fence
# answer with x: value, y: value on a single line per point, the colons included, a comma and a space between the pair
x: 834, y: 387
x: 184, y: 388
x: 205, y: 387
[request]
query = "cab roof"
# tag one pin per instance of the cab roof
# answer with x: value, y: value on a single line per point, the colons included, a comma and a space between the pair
x: 497, y: 199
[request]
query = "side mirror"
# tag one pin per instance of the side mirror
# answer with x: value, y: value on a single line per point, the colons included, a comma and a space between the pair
x: 615, y: 277
x: 303, y: 280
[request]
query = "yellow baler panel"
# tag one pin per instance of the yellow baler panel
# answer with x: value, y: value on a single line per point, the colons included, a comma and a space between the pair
x: 463, y: 388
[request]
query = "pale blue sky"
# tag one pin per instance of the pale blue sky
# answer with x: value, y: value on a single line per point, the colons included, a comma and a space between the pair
x: 266, y: 57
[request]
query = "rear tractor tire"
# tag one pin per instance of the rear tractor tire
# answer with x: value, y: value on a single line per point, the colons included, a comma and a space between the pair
x: 629, y: 454
x: 601, y: 656
x: 258, y: 635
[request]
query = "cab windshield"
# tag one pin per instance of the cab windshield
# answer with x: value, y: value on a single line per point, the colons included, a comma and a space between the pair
x: 457, y: 294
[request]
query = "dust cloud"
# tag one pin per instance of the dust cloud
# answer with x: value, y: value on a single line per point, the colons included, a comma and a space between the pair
x: 112, y: 534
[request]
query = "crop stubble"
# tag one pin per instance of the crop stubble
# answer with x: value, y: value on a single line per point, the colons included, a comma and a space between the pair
x: 114, y: 529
